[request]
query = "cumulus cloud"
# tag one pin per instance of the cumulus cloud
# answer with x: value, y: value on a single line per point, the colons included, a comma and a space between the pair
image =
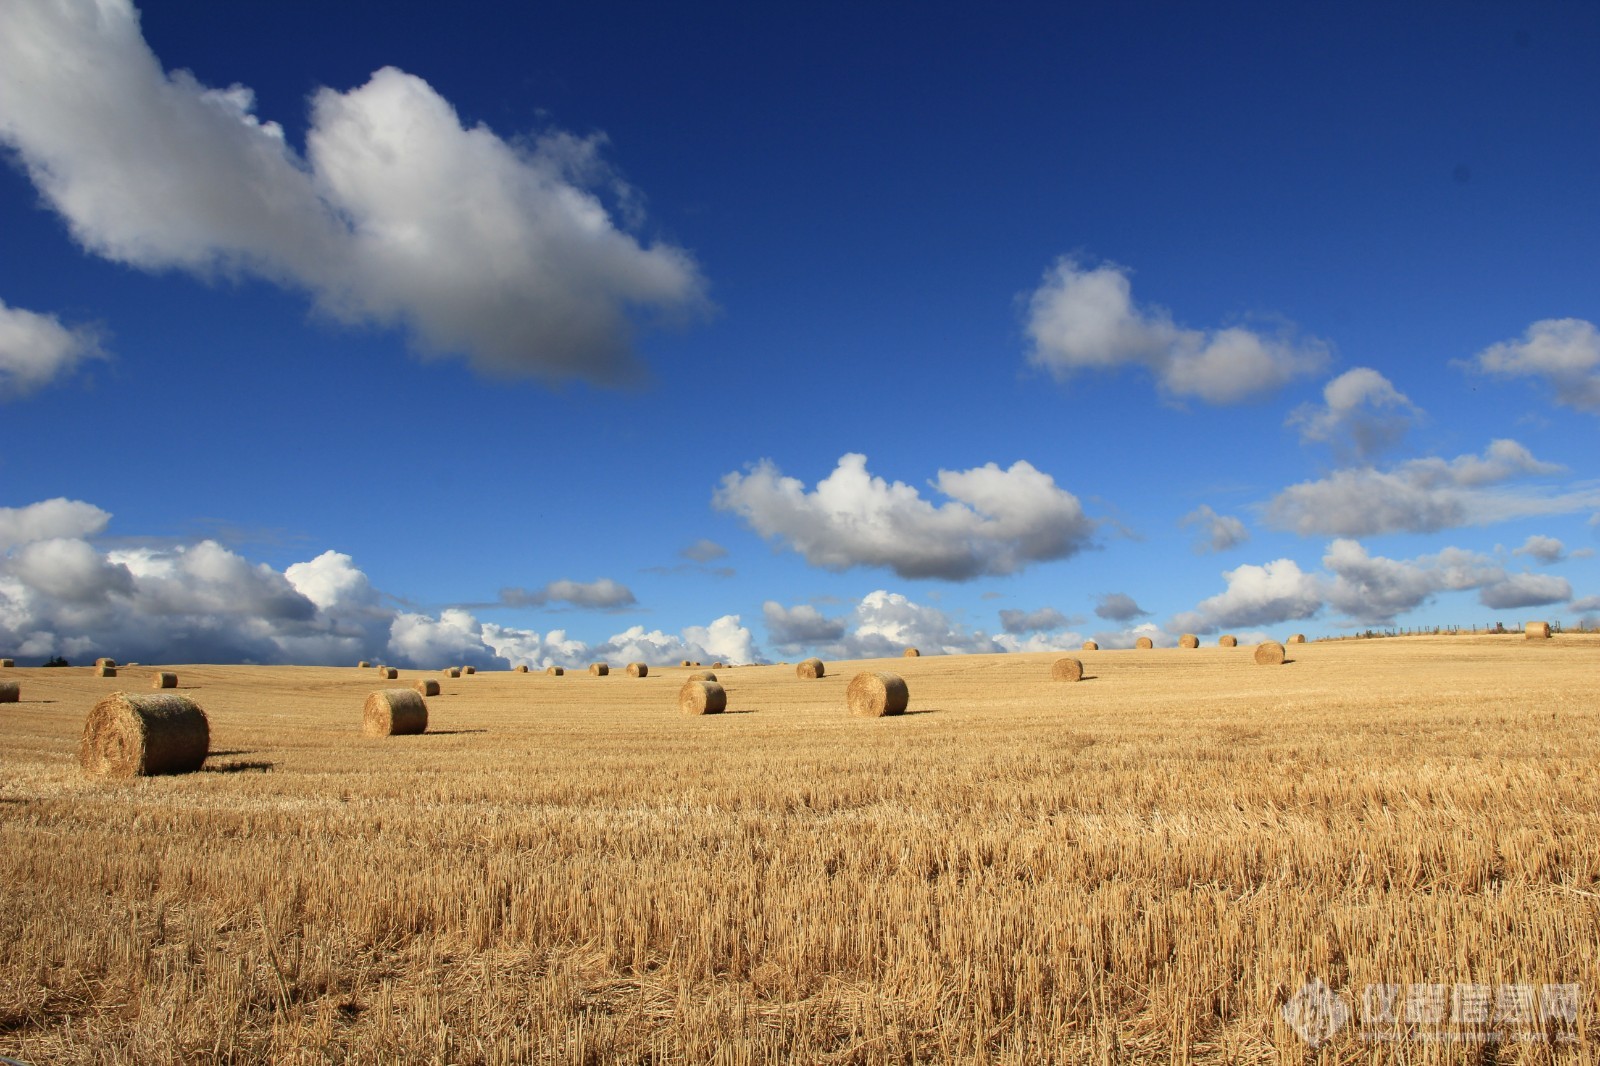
x: 1544, y: 549
x: 602, y: 594
x: 1362, y: 414
x: 1424, y: 495
x: 1118, y: 607
x: 800, y: 626
x: 883, y: 624
x: 504, y: 252
x: 1563, y: 352
x: 1218, y: 532
x: 36, y: 349
x: 1044, y: 620
x: 1525, y: 590
x: 994, y: 522
x: 46, y: 519
x: 1085, y: 318
x: 1256, y: 596
x: 1374, y: 590
x: 1587, y: 605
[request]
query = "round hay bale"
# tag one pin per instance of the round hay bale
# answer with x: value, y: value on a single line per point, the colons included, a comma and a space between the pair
x: 388, y: 673
x: 701, y: 675
x: 8, y: 662
x: 106, y: 662
x: 811, y: 669
x: 1228, y: 641
x: 105, y: 671
x: 1066, y: 670
x: 10, y: 691
x: 911, y: 653
x: 1536, y: 631
x: 1269, y: 653
x: 1188, y: 640
x: 716, y: 666
x: 1297, y: 638
x: 454, y: 671
x: 129, y: 735
x: 363, y: 665
x: 392, y: 712
x: 599, y: 669
x: 427, y: 687
x: 522, y: 668
x: 164, y: 679
x: 877, y: 693
x: 1144, y: 644
x: 469, y: 669
x: 554, y: 671
x: 1091, y: 645
x: 638, y: 670
x: 686, y: 662
x: 702, y: 697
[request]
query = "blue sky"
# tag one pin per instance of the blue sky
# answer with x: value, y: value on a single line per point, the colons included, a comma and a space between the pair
x: 621, y: 332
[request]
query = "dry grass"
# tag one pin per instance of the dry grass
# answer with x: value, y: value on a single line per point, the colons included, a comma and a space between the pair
x: 1137, y: 868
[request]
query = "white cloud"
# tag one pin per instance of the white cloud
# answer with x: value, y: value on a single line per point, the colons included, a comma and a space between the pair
x: 1544, y: 549
x: 1423, y: 496
x: 1218, y: 532
x: 1118, y: 607
x: 1086, y: 319
x: 59, y: 517
x: 331, y: 580
x: 995, y: 521
x: 1525, y: 590
x: 1362, y: 413
x: 1256, y: 596
x: 883, y: 624
x: 35, y: 349
x: 800, y: 626
x: 601, y: 594
x: 397, y: 214
x: 1374, y: 590
x: 1565, y: 352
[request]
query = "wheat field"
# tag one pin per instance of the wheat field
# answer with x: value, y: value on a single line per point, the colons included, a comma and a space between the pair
x: 1143, y: 866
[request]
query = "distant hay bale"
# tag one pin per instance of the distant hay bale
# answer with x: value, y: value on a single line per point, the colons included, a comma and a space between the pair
x: 1066, y: 670
x: 10, y: 691
x: 164, y: 679
x: 702, y: 675
x: 427, y: 687
x: 388, y: 673
x: 811, y: 669
x: 716, y: 666
x: 554, y: 671
x: 1188, y: 640
x: 877, y: 693
x: 702, y: 697
x: 363, y: 665
x: 1536, y: 631
x: 453, y: 671
x: 469, y: 669
x: 1269, y: 653
x: 1144, y: 644
x: 638, y: 670
x: 1228, y: 641
x: 686, y: 662
x: 105, y: 671
x: 393, y: 712
x: 129, y: 735
x: 1091, y: 645
x: 911, y: 653
x: 106, y: 662
x: 1297, y: 638
x: 522, y: 668
x: 8, y: 662
x: 599, y: 669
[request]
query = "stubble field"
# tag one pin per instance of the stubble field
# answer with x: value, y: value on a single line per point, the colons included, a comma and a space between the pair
x: 1144, y: 866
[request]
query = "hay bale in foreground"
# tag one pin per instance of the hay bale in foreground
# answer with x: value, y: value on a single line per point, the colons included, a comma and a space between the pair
x: 363, y: 665
x: 702, y: 697
x: 128, y: 735
x: 1066, y: 670
x: 522, y: 668
x: 1144, y: 644
x: 392, y: 712
x: 10, y: 691
x: 599, y: 669
x: 1536, y: 631
x: 1091, y: 645
x: 164, y: 679
x: 912, y: 653
x: 427, y: 687
x: 1188, y: 640
x: 811, y: 669
x: 105, y: 671
x: 1269, y: 653
x: 638, y: 670
x: 554, y: 671
x: 454, y: 671
x: 1228, y: 641
x: 876, y: 694
x: 1297, y: 638
x: 388, y: 673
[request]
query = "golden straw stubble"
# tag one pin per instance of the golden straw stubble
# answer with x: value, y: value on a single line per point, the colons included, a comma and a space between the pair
x: 1269, y: 653
x: 702, y: 697
x: 1067, y: 669
x: 139, y: 734
x: 810, y: 669
x: 164, y: 679
x: 876, y: 694
x: 393, y: 712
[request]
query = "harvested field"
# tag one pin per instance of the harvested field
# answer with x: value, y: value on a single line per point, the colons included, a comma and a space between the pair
x: 1139, y: 867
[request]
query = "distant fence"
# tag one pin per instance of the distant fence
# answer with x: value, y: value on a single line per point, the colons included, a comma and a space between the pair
x: 1490, y: 628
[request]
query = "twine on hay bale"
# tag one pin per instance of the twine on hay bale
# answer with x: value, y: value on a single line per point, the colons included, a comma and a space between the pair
x: 554, y: 671
x: 388, y: 673
x: 702, y: 697
x: 638, y: 670
x: 453, y: 671
x: 877, y: 693
x: 137, y: 735
x: 811, y: 669
x: 1144, y: 644
x: 1297, y: 638
x: 1066, y: 670
x: 1269, y: 653
x: 105, y: 671
x: 164, y: 679
x: 10, y: 691
x: 911, y: 653
x: 599, y: 669
x: 1228, y: 641
x: 427, y: 687
x: 1091, y: 645
x: 392, y: 712
x: 1188, y: 640
x: 1536, y: 631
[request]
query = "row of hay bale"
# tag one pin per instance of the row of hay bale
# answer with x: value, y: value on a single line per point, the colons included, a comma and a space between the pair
x: 870, y: 694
